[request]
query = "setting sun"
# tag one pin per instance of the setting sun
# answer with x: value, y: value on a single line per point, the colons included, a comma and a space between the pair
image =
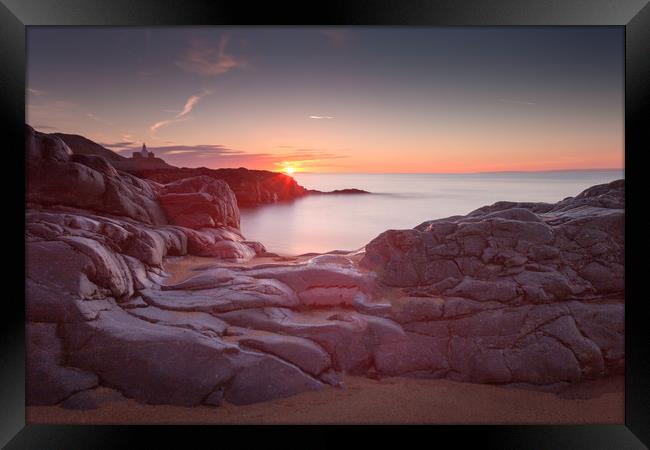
x: 289, y: 170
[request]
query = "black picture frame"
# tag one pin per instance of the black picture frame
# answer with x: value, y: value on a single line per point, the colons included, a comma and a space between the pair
x: 633, y: 15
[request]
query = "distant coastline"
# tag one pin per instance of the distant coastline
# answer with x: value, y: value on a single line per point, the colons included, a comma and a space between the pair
x: 251, y: 187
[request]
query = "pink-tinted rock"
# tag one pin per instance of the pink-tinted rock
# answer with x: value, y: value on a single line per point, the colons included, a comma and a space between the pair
x: 240, y: 293
x: 200, y: 202
x: 484, y: 291
x: 301, y: 352
x: 48, y: 380
x: 412, y: 354
x: 251, y: 187
x: 587, y: 353
x: 540, y: 251
x: 150, y: 362
x: 55, y: 179
x: 262, y: 378
x: 604, y: 324
x: 92, y: 398
x: 219, y: 242
x: 478, y: 363
x: 539, y: 359
x: 197, y: 321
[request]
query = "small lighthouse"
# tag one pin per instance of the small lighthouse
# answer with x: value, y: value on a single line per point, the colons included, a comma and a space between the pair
x: 144, y: 153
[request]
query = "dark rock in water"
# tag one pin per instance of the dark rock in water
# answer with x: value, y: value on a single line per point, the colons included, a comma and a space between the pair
x: 349, y: 191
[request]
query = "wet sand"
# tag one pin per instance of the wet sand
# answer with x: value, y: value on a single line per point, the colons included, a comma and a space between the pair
x: 386, y: 401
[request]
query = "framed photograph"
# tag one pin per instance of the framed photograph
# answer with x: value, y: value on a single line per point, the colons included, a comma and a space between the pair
x: 363, y: 213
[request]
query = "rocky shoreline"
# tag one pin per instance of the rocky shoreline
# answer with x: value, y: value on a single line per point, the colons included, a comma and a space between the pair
x: 251, y: 187
x: 510, y: 294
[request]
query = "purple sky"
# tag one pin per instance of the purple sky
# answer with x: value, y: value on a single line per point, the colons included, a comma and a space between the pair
x: 355, y: 99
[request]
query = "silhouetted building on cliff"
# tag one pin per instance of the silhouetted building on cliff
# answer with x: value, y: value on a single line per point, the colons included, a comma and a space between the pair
x: 144, y: 153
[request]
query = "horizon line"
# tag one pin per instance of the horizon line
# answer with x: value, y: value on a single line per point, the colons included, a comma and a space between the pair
x: 475, y: 172
x: 604, y: 169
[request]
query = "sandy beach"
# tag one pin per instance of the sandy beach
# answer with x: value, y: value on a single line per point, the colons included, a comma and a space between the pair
x: 386, y: 401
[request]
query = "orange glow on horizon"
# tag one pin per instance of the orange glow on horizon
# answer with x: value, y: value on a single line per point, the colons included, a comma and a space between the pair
x: 346, y: 152
x: 449, y: 164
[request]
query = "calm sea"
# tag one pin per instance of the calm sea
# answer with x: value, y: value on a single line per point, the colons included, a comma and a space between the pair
x: 323, y: 223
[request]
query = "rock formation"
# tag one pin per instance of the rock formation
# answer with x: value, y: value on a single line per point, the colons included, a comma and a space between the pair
x: 251, y: 187
x: 523, y: 292
x: 511, y: 293
x: 84, y: 146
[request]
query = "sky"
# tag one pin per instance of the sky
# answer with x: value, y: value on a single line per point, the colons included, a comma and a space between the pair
x: 337, y: 99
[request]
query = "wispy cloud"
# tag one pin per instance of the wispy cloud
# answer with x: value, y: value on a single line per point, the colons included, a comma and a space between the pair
x: 208, y: 149
x: 204, y: 58
x: 179, y: 152
x: 118, y: 146
x: 187, y: 108
x: 321, y: 117
x: 98, y: 119
x: 35, y: 92
x: 44, y: 127
x: 216, y: 155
